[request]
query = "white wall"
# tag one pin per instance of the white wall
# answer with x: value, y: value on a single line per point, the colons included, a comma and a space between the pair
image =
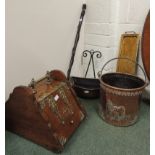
x: 39, y: 37
x: 40, y: 34
x: 131, y: 15
x: 100, y: 30
x: 106, y: 20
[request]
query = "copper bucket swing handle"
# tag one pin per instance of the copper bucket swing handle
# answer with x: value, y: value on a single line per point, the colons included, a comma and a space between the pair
x: 100, y: 72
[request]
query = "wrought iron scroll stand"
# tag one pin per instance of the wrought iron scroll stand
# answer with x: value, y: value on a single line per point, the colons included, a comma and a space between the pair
x: 91, y: 52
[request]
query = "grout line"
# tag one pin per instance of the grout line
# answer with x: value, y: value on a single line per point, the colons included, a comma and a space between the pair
x: 100, y: 23
x: 99, y: 45
x: 117, y: 23
x: 106, y: 35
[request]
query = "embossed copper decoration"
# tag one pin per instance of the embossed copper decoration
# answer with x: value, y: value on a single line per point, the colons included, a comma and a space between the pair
x: 120, y: 96
x: 46, y: 112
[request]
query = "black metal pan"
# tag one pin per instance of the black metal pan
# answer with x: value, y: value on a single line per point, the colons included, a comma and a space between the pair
x: 84, y: 87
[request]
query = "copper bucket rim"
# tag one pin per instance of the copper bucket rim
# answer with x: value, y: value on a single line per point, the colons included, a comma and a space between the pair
x: 146, y: 82
x: 123, y: 89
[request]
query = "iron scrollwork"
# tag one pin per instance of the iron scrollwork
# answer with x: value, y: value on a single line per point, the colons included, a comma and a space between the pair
x: 91, y: 53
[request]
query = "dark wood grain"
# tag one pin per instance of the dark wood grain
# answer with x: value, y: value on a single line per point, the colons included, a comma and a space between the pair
x: 146, y: 45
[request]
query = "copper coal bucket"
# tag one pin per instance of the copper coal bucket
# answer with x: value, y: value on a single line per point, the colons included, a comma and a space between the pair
x: 120, y: 96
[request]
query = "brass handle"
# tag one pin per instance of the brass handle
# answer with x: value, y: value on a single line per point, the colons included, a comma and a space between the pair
x: 130, y: 32
x: 48, y: 78
x: 32, y: 85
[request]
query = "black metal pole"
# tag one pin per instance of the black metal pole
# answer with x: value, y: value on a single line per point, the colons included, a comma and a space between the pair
x: 76, y: 40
